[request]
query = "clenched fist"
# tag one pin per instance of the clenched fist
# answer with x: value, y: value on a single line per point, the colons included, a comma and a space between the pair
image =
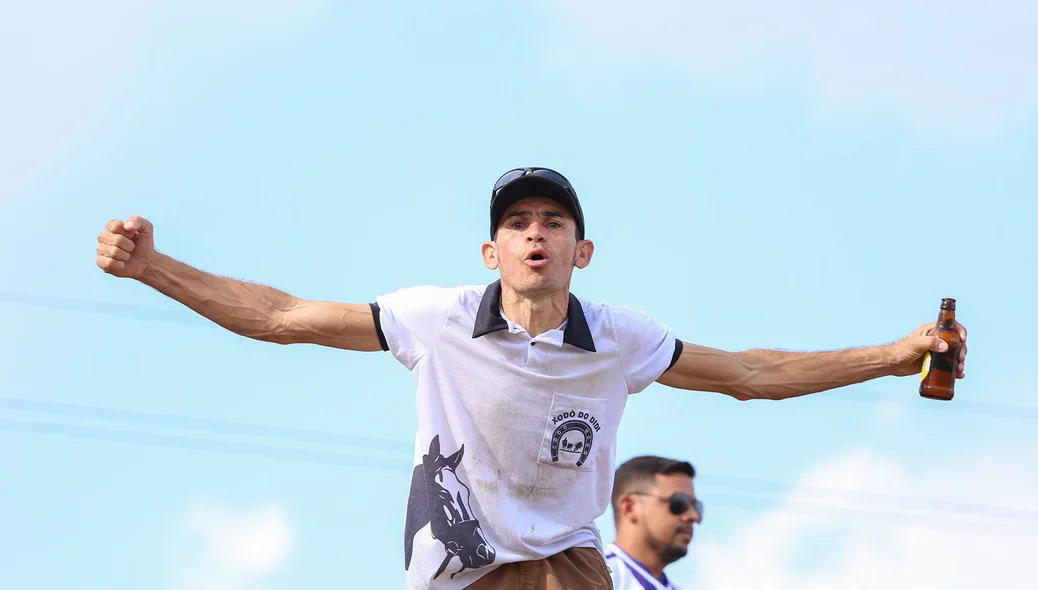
x: 125, y: 248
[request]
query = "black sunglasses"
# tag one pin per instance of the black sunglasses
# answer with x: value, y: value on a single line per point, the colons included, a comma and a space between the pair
x: 679, y: 503
x: 542, y: 172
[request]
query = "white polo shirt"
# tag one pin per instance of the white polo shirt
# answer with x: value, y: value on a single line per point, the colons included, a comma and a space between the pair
x: 516, y: 437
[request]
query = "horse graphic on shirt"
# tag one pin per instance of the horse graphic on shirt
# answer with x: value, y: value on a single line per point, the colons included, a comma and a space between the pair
x: 439, y: 498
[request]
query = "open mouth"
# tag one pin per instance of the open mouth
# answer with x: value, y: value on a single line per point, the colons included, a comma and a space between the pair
x: 537, y: 258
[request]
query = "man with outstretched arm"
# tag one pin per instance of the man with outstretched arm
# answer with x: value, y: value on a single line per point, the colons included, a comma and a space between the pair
x: 520, y: 383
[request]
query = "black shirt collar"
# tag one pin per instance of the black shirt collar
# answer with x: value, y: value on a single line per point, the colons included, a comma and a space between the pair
x: 488, y: 319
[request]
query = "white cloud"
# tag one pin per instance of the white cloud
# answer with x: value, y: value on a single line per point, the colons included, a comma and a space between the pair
x: 943, y: 67
x: 221, y: 548
x: 860, y: 522
x: 71, y: 68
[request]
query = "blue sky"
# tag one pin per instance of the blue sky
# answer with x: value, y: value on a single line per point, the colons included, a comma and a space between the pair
x: 782, y: 180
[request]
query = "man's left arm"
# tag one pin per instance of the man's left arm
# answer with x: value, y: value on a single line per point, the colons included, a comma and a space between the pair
x: 776, y: 375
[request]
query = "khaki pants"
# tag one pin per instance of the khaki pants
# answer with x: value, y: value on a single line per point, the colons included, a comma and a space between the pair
x: 579, y: 568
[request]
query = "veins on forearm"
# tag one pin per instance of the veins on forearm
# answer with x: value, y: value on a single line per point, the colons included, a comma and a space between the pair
x: 245, y: 308
x: 778, y: 374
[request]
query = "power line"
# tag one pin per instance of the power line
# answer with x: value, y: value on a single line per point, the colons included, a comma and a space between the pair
x: 338, y: 439
x: 879, y: 517
x: 195, y: 443
x: 960, y: 407
x: 1007, y: 411
x: 295, y: 435
x: 202, y: 424
x: 335, y: 439
x: 875, y: 498
x: 101, y: 308
x: 957, y: 520
x: 741, y: 485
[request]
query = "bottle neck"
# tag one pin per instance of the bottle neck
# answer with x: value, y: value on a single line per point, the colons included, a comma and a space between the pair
x: 946, y: 319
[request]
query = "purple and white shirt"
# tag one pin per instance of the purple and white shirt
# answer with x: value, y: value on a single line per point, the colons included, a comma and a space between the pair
x: 629, y: 574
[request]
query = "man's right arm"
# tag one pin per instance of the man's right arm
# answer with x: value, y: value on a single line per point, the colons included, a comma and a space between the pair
x: 261, y: 312
x: 127, y: 249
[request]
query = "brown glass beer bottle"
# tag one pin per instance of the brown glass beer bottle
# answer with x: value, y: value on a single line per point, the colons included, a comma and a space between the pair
x: 937, y: 380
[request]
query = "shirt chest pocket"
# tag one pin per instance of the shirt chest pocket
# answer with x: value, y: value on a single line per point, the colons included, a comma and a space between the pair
x: 575, y: 429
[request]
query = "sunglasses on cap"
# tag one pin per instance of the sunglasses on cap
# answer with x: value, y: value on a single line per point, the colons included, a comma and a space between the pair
x: 678, y: 502
x: 551, y: 175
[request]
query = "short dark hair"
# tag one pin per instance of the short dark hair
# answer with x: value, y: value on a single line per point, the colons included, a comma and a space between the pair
x: 641, y: 471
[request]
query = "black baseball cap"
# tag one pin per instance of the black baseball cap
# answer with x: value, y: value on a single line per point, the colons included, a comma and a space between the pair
x: 521, y: 183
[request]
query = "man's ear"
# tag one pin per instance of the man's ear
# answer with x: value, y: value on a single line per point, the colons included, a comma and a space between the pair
x: 490, y: 255
x: 627, y: 508
x: 585, y: 249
